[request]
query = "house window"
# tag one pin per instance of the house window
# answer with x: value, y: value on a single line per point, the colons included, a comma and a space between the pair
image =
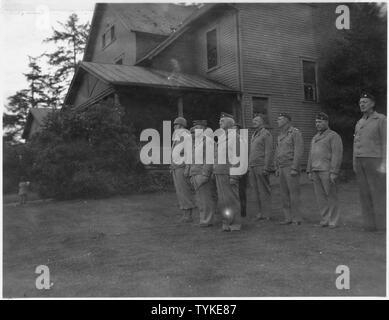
x: 260, y: 106
x: 103, y: 41
x: 309, y: 78
x: 108, y: 36
x: 112, y: 31
x: 119, y: 60
x: 212, y: 58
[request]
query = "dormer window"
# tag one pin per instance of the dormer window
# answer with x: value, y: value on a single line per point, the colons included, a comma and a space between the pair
x: 108, y: 36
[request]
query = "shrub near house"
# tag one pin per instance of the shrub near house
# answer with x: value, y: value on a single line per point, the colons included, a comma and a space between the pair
x: 89, y: 153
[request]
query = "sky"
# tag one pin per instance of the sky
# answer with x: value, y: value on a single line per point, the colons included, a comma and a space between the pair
x: 23, y: 26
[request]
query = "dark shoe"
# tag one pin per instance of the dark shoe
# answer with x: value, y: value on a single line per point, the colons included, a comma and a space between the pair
x: 226, y: 228
x: 320, y: 225
x: 297, y: 223
x: 261, y: 219
x: 235, y: 228
x: 204, y: 225
x: 285, y: 223
x: 370, y: 229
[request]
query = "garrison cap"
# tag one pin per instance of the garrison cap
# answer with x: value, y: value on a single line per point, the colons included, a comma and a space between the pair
x: 226, y: 115
x: 200, y: 123
x: 180, y: 120
x: 368, y: 95
x: 322, y: 116
x: 286, y: 115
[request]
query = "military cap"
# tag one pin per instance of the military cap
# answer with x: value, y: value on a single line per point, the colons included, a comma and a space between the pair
x: 322, y: 116
x: 368, y: 95
x: 226, y: 115
x: 200, y: 123
x: 286, y: 115
x: 180, y: 120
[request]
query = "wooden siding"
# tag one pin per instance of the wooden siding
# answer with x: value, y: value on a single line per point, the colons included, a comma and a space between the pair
x: 190, y: 50
x: 89, y: 88
x: 181, y: 50
x: 124, y: 43
x: 146, y: 42
x: 275, y: 39
x: 227, y: 71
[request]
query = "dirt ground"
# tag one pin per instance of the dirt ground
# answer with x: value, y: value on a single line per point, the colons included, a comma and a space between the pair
x: 135, y: 247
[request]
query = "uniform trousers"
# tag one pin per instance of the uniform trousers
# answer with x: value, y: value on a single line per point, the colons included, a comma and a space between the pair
x: 290, y: 194
x: 261, y: 186
x: 372, y: 192
x: 327, y: 197
x: 228, y: 198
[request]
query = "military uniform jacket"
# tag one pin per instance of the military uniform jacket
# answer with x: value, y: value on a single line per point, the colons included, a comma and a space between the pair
x: 261, y: 149
x: 326, y: 152
x: 226, y: 148
x: 370, y: 137
x: 203, y: 168
x: 290, y: 147
x: 174, y: 165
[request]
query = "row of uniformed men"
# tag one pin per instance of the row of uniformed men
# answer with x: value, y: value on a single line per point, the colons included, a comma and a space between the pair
x: 325, y: 158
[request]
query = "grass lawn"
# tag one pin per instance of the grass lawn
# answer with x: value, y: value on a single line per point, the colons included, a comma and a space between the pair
x: 134, y: 246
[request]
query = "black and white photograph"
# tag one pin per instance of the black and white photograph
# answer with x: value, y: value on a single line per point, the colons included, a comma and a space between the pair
x: 182, y: 150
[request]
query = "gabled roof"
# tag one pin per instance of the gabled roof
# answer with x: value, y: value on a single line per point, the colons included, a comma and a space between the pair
x: 139, y: 76
x: 123, y: 75
x: 157, y: 18
x: 37, y: 114
x: 182, y: 29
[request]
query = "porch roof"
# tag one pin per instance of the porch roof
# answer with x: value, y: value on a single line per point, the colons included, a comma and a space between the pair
x: 140, y: 76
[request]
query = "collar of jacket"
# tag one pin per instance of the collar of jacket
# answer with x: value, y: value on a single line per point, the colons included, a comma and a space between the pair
x: 321, y: 135
x: 285, y: 132
x: 374, y: 115
x: 258, y: 131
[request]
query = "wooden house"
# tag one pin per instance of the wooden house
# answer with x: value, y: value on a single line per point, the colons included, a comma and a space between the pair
x: 159, y: 61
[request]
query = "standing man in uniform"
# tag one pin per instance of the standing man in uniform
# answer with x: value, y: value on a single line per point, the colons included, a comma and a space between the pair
x: 227, y: 185
x: 325, y: 158
x: 184, y: 193
x: 200, y: 173
x: 260, y: 166
x: 289, y: 151
x: 242, y: 183
x: 369, y: 161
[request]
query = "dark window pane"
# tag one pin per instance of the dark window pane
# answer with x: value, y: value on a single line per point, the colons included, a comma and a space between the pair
x: 112, y: 33
x: 103, y: 40
x: 309, y: 72
x: 260, y: 106
x: 119, y: 61
x: 211, y: 49
x: 309, y: 75
x: 309, y: 92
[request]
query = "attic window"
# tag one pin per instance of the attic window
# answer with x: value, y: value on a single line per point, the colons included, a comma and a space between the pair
x: 103, y: 41
x: 112, y: 31
x: 309, y: 78
x: 108, y: 36
x: 212, y: 55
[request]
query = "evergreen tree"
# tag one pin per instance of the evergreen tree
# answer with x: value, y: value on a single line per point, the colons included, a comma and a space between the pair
x: 70, y: 40
x: 353, y: 62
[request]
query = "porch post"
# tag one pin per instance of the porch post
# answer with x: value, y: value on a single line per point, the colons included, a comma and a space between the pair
x: 180, y: 106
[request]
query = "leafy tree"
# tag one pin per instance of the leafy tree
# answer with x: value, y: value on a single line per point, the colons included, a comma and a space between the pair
x: 85, y: 153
